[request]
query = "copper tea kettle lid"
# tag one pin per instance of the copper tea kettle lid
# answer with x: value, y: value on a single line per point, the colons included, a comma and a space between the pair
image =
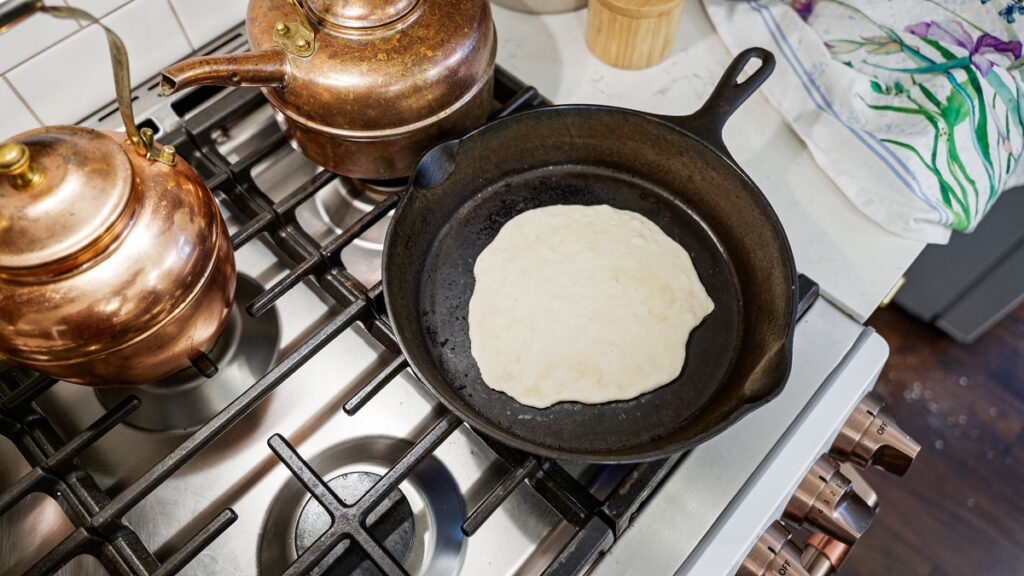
x: 65, y: 189
x: 360, y: 13
x: 62, y: 190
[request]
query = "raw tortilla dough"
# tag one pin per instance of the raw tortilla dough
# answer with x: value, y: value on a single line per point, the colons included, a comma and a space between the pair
x: 582, y: 303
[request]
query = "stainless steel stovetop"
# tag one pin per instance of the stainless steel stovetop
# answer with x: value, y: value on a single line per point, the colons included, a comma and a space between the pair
x: 232, y: 497
x: 237, y: 470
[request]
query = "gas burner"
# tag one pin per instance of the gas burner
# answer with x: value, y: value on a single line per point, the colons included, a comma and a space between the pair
x: 348, y: 199
x: 188, y: 399
x: 381, y: 188
x: 342, y: 203
x: 391, y: 524
x: 419, y: 523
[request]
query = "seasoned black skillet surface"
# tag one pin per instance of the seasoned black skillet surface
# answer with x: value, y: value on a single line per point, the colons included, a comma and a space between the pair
x: 675, y: 172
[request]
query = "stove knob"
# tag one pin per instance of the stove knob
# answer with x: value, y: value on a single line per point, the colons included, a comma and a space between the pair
x: 773, y: 554
x: 823, y: 555
x: 825, y: 502
x: 860, y: 485
x: 870, y: 437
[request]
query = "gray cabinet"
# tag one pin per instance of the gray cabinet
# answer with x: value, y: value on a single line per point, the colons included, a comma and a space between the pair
x: 969, y: 284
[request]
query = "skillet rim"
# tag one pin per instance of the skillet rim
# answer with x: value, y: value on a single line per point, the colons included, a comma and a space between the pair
x: 628, y: 455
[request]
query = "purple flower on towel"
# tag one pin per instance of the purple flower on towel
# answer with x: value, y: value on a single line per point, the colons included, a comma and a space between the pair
x: 985, y: 52
x: 802, y: 7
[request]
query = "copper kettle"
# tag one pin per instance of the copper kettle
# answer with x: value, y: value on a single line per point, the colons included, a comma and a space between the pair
x: 362, y: 87
x: 115, y: 264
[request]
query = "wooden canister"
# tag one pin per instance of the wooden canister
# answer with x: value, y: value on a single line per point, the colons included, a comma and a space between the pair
x: 632, y: 34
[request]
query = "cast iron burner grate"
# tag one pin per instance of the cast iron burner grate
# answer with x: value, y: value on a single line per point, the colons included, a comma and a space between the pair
x: 98, y: 517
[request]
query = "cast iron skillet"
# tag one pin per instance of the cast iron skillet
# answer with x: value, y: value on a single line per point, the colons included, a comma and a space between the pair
x: 673, y: 170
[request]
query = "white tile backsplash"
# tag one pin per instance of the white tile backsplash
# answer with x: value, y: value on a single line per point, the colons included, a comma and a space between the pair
x: 98, y: 8
x: 204, y: 20
x: 63, y: 71
x: 151, y: 34
x: 67, y: 81
x: 31, y: 36
x: 73, y: 78
x: 16, y: 118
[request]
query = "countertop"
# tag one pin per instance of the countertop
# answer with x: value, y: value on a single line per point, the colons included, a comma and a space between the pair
x: 855, y: 261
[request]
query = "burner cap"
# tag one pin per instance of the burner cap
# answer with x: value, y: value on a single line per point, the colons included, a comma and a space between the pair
x: 391, y: 524
x: 418, y: 523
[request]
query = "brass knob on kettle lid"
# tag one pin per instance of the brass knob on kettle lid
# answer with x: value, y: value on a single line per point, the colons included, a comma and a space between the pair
x: 13, y: 156
x: 15, y: 163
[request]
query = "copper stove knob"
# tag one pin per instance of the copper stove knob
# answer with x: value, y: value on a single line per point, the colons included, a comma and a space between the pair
x: 870, y: 437
x: 860, y: 485
x: 773, y: 554
x: 823, y: 556
x: 825, y: 502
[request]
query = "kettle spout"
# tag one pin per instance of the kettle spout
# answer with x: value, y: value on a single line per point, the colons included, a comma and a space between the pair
x: 266, y: 68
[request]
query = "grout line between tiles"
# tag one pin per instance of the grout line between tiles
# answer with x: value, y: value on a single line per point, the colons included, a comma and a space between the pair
x: 100, y: 16
x: 23, y: 101
x: 181, y: 25
x: 76, y: 20
x: 50, y: 47
x: 103, y: 15
x: 44, y: 48
x: 81, y: 27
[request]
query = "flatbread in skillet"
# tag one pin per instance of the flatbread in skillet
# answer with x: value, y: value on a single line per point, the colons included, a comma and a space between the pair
x: 582, y: 303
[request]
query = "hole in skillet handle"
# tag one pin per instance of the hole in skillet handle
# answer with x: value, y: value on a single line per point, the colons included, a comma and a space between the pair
x: 730, y: 93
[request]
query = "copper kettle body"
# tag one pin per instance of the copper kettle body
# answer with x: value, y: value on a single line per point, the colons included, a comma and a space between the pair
x: 114, y: 269
x: 115, y: 265
x: 362, y: 87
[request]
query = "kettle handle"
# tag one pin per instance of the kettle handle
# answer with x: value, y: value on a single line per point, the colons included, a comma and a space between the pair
x: 13, y: 12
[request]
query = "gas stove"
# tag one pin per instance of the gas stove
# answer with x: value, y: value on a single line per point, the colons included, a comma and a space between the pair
x: 307, y: 447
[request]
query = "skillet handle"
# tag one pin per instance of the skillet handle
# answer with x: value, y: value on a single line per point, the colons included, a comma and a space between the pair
x: 730, y: 93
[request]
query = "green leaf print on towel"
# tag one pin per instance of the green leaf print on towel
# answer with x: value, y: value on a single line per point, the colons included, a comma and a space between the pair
x: 941, y: 72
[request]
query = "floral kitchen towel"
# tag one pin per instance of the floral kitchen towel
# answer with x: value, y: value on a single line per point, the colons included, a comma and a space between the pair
x: 913, y: 107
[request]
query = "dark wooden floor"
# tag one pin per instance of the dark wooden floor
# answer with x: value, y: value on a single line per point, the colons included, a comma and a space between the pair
x: 960, y: 509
